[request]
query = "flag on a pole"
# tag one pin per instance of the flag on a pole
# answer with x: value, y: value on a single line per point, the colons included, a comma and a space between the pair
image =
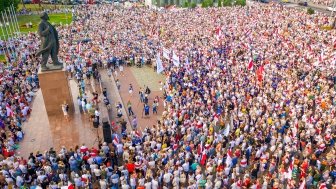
x: 290, y: 169
x: 159, y: 66
x: 303, y: 184
x: 116, y: 140
x: 137, y: 134
x: 250, y: 64
x: 218, y: 33
x: 9, y: 111
x: 321, y: 58
x: 166, y: 53
x: 187, y: 61
x: 79, y: 47
x: 176, y: 60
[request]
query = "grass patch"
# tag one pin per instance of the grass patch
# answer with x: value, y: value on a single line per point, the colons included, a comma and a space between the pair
x: 2, y: 58
x: 36, y: 7
x: 57, y: 18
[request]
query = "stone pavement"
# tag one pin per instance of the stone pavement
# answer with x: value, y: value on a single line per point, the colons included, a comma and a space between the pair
x: 145, y: 76
x: 113, y: 96
x: 42, y: 134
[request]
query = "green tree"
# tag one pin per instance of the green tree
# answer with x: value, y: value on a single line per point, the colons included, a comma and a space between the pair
x: 241, y: 2
x: 219, y: 3
x: 226, y: 3
x: 310, y: 11
x: 4, y: 4
x: 207, y: 3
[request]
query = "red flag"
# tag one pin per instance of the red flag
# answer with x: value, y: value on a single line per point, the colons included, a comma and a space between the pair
x: 203, y: 159
x: 250, y: 65
x: 259, y: 73
x: 116, y: 141
x: 218, y: 33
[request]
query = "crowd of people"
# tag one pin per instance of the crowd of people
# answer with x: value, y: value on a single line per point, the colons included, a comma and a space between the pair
x: 250, y: 102
x: 328, y: 3
x: 18, y: 83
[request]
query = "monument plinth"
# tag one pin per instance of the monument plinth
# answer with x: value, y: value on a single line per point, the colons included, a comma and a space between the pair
x: 55, y: 91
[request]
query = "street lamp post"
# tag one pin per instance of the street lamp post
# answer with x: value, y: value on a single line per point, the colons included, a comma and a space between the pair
x: 333, y: 8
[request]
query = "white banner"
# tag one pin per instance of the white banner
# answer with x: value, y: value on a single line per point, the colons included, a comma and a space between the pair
x: 176, y: 59
x: 159, y: 66
x: 166, y: 53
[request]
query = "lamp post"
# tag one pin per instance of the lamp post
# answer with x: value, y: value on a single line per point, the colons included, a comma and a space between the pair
x: 333, y: 8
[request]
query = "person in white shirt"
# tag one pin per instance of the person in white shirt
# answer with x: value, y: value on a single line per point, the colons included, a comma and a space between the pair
x: 155, y: 184
x: 148, y: 184
x: 167, y: 177
x: 19, y: 181
x: 97, y: 173
x: 102, y: 184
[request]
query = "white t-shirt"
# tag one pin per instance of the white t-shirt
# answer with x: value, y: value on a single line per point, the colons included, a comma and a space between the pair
x: 125, y: 186
x: 103, y: 184
x: 97, y: 172
x: 167, y: 177
x: 148, y: 185
x: 155, y: 184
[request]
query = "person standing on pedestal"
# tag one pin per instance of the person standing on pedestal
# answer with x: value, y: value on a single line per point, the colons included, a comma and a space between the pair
x: 65, y: 109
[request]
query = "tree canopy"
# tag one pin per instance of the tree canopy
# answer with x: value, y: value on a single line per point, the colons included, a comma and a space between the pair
x: 4, y: 4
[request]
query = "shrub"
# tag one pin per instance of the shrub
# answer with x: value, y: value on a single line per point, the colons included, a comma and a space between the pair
x: 310, y: 11
x: 241, y: 2
x: 186, y: 4
x: 193, y: 5
x: 207, y: 3
x: 226, y: 3
x: 219, y: 3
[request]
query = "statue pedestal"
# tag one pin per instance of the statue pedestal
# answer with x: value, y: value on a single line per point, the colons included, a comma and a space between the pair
x: 55, y: 90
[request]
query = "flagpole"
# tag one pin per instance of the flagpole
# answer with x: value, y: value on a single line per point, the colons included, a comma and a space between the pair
x: 12, y: 20
x: 4, y: 40
x: 7, y: 34
x: 11, y: 29
x: 16, y: 20
x: 5, y: 23
x: 8, y: 23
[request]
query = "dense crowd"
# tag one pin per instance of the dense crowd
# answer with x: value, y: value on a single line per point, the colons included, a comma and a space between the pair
x: 18, y: 81
x: 328, y: 3
x: 250, y: 103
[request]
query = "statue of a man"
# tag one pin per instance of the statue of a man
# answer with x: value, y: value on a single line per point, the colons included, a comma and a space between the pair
x: 49, y: 44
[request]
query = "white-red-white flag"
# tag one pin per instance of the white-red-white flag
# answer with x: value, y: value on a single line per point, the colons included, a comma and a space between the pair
x: 9, y: 110
x: 290, y: 170
x: 79, y: 47
x: 303, y: 184
x: 116, y: 140
x: 250, y: 64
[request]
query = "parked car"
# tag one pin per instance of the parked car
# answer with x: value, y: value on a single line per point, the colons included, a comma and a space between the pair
x: 27, y: 1
x: 331, y: 9
x: 303, y: 3
x: 264, y: 1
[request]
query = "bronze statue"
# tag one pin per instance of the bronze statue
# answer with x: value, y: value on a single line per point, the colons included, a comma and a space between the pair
x: 49, y: 44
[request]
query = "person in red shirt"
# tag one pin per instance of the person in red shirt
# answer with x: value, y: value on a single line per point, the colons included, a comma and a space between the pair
x: 130, y: 167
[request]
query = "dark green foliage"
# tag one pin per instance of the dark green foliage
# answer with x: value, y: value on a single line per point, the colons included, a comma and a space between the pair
x: 219, y: 3
x: 193, y: 5
x: 241, y: 2
x: 310, y: 11
x: 207, y: 3
x: 4, y: 4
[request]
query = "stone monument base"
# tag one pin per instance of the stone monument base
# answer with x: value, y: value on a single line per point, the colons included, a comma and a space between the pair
x: 55, y: 91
